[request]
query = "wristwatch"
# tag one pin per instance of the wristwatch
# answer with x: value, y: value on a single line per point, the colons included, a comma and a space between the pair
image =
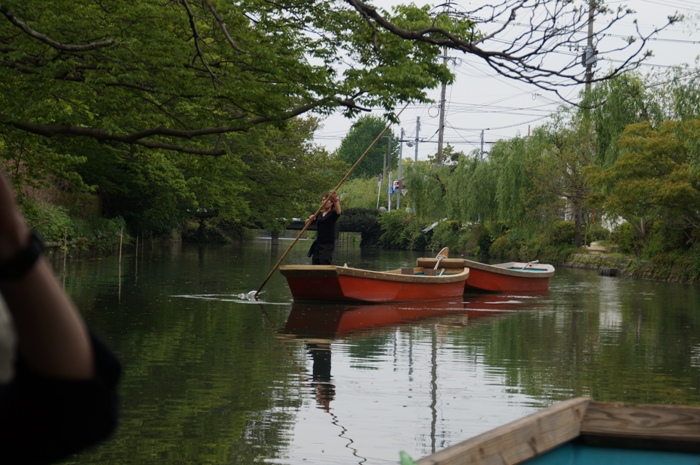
x: 16, y: 267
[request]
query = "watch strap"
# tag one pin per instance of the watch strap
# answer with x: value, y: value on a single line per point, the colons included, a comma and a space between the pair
x: 19, y: 265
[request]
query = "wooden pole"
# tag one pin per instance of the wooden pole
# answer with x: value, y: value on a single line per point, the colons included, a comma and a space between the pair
x: 306, y: 225
x: 65, y: 248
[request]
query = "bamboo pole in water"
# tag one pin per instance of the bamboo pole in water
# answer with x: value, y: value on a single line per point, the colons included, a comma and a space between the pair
x: 65, y: 248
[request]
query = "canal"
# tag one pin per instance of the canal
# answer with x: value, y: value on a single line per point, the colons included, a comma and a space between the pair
x: 212, y: 377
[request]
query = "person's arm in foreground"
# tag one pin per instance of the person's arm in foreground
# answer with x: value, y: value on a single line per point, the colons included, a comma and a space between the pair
x: 63, y: 395
x: 52, y: 338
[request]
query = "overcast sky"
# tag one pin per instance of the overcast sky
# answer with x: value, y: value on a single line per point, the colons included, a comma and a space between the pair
x: 482, y: 102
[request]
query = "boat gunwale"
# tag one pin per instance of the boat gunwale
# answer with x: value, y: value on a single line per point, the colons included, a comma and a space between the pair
x: 391, y: 275
x: 543, y: 270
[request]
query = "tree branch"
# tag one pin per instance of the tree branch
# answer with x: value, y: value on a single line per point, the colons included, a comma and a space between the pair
x: 537, y: 56
x: 47, y: 40
x: 141, y: 137
x: 196, y: 36
x: 222, y: 24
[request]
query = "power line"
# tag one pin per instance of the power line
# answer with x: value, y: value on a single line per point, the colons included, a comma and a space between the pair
x: 497, y: 108
x: 684, y: 4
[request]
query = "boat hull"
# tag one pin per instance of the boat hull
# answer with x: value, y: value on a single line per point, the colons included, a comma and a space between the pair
x: 329, y: 283
x: 508, y: 277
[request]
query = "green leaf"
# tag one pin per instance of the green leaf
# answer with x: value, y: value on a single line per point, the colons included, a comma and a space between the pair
x: 406, y: 459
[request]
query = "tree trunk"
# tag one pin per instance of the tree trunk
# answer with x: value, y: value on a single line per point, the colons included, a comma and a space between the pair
x: 578, y: 223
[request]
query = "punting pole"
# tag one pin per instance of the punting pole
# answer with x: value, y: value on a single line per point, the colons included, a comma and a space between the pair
x: 306, y: 225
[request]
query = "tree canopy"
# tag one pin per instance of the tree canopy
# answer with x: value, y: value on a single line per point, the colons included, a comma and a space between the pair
x: 383, y: 156
x: 122, y: 98
x: 656, y: 179
x: 181, y: 75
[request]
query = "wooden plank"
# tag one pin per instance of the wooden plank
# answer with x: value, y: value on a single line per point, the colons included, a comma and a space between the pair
x: 665, y: 427
x: 518, y: 441
x: 446, y: 263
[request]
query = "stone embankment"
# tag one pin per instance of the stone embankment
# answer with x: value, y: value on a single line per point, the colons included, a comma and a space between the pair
x: 599, y: 258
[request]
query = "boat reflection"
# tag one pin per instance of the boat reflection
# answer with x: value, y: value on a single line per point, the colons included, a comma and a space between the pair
x: 330, y: 321
x: 319, y: 325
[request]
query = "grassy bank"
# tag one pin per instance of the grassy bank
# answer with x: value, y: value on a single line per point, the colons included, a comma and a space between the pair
x: 663, y: 268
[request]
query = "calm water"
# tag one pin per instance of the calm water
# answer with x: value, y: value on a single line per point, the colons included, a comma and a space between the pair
x: 214, y: 378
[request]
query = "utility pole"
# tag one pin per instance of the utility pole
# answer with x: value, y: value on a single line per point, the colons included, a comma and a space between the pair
x: 400, y: 179
x: 388, y: 191
x: 441, y: 129
x: 387, y: 156
x: 589, y: 55
x: 481, y: 151
x: 417, y: 131
x: 387, y: 161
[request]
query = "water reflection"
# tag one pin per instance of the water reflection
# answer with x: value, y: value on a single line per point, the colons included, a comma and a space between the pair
x: 325, y: 328
x: 320, y: 324
x: 333, y: 320
x: 324, y: 388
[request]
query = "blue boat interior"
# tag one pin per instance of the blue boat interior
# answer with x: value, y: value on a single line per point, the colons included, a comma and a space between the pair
x: 529, y: 270
x: 575, y: 453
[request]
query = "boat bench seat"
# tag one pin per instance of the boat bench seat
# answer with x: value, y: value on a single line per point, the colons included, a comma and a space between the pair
x: 419, y: 270
x: 447, y: 263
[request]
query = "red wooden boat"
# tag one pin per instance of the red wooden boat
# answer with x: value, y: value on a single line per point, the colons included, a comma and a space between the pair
x: 434, y: 278
x: 508, y: 277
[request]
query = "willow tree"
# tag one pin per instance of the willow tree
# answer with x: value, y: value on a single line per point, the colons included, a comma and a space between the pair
x: 427, y: 187
x: 512, y: 181
x: 678, y: 92
x: 471, y: 189
x: 617, y: 103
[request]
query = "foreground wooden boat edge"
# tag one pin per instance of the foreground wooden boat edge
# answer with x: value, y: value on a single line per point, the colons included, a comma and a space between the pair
x: 634, y: 426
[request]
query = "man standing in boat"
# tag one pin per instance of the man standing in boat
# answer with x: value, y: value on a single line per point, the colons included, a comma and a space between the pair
x: 322, y: 248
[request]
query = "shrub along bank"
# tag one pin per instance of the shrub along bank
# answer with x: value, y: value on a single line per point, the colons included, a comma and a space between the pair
x: 496, y: 242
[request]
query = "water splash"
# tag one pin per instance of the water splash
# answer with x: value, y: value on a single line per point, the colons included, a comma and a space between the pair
x: 244, y: 297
